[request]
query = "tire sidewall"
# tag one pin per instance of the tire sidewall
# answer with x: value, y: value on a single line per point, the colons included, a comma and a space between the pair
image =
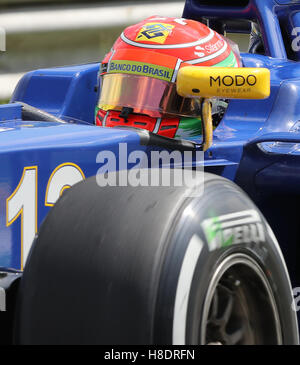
x: 218, y: 200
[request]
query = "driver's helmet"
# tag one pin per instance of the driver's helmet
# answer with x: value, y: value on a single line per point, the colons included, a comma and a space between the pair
x: 138, y: 76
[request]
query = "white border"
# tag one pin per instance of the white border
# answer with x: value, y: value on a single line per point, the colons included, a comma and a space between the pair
x: 210, y: 57
x: 186, y: 275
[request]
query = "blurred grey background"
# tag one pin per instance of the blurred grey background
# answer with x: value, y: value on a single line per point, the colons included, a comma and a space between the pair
x: 47, y: 33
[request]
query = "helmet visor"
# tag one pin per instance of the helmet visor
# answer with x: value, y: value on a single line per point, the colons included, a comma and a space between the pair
x: 146, y: 95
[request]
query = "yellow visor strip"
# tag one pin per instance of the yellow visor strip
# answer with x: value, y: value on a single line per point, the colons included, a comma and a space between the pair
x: 223, y: 82
x: 141, y: 69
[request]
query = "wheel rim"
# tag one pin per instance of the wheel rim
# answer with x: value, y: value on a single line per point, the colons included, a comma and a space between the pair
x: 240, y: 308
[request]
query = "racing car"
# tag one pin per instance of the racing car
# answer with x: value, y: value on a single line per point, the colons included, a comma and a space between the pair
x: 209, y: 263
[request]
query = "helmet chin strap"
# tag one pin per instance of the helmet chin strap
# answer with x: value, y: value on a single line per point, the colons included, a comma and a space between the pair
x: 125, y: 113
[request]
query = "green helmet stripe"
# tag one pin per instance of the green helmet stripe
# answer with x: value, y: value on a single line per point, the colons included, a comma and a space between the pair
x: 189, y: 127
x: 230, y: 61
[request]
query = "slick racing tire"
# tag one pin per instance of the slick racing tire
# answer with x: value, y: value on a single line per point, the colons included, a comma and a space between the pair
x: 155, y: 265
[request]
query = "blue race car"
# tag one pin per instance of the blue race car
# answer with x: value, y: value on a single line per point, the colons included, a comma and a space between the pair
x: 113, y: 259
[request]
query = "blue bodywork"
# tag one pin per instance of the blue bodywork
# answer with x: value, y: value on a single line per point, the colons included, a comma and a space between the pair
x: 257, y: 143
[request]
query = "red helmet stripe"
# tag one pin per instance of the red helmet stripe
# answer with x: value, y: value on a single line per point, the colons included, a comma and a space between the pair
x: 145, y: 57
x: 168, y: 46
